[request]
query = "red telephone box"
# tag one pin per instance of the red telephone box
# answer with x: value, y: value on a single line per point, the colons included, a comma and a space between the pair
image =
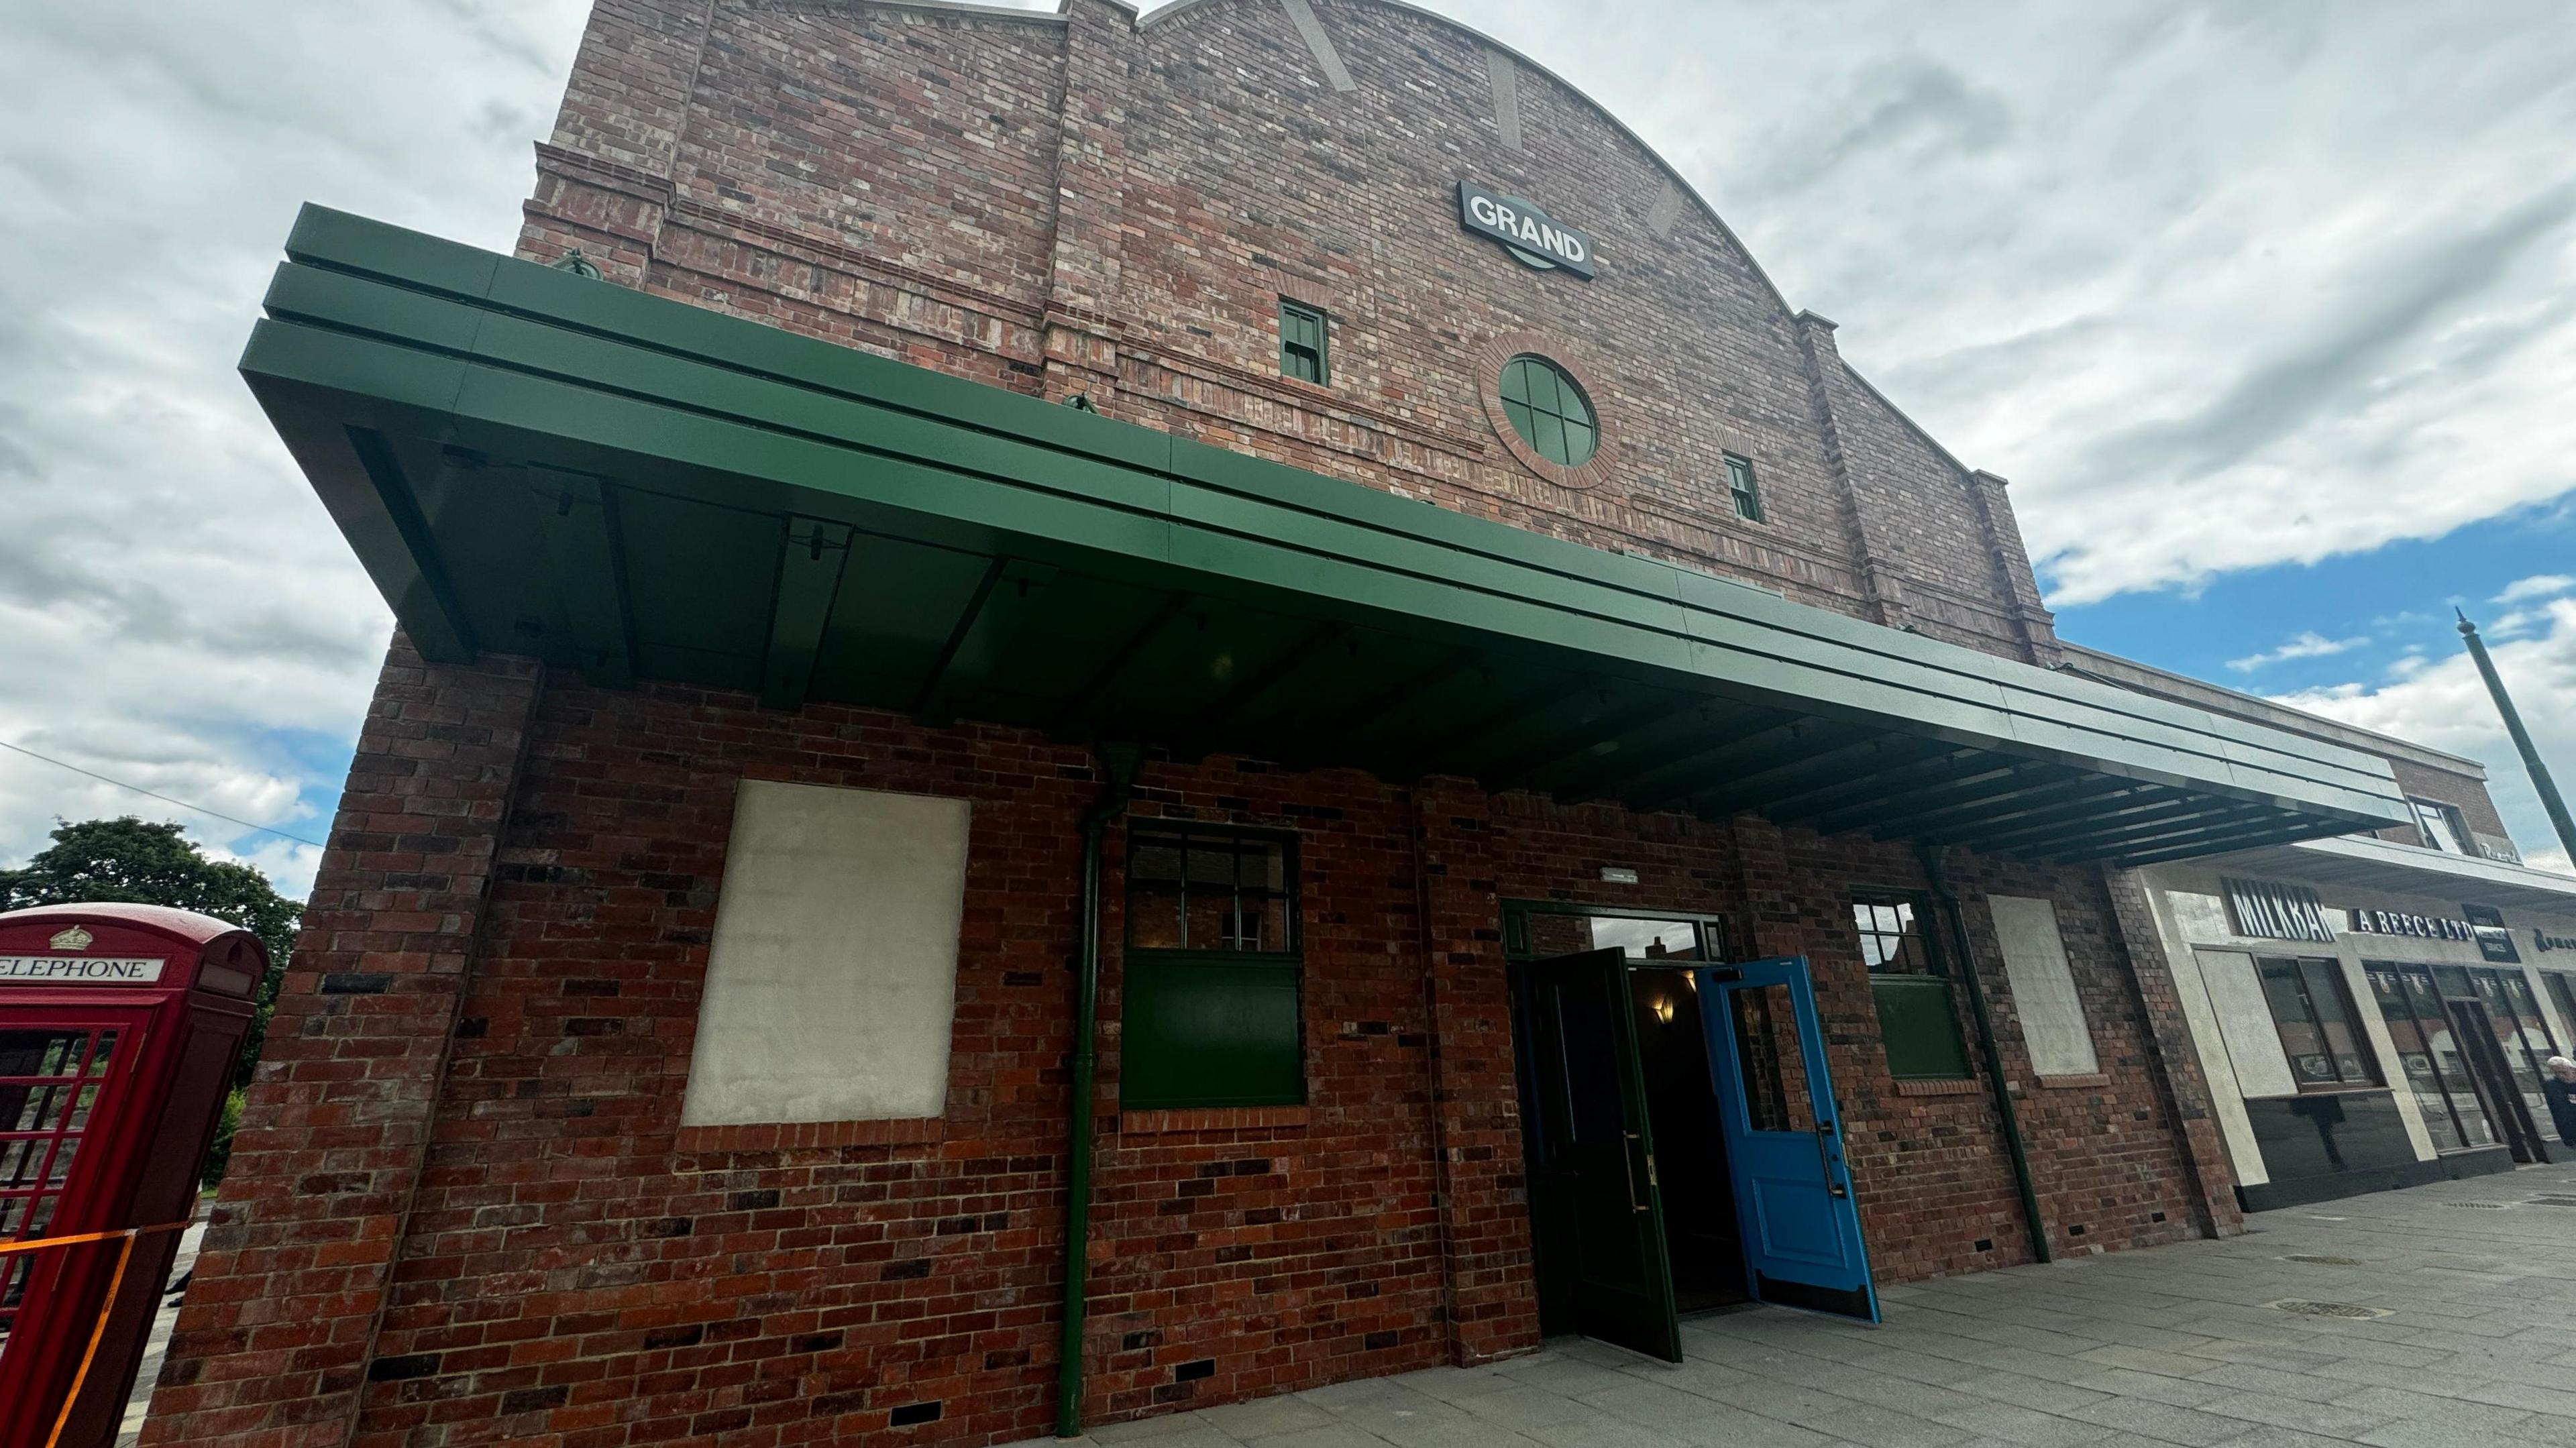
x: 119, y: 1026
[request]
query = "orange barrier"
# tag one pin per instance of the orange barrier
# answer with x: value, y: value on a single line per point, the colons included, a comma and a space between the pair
x: 126, y: 1236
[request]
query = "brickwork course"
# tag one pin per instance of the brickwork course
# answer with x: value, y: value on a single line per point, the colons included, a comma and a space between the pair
x: 462, y: 1208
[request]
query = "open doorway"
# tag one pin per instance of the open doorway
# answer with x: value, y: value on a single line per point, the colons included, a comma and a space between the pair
x: 1700, y: 1234
x: 1679, y: 1128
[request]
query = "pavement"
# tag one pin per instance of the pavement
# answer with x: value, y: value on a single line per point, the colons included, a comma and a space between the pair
x: 2171, y: 1345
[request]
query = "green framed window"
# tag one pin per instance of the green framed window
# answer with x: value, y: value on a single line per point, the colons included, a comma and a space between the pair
x: 1305, y: 343
x: 1740, y: 485
x: 1549, y: 411
x: 1211, y: 1013
x: 1909, y: 982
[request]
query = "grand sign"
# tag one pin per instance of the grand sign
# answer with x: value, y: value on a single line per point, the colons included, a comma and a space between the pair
x: 79, y: 970
x: 1527, y: 232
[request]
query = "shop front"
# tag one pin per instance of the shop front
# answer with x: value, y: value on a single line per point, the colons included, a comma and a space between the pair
x: 2373, y: 1014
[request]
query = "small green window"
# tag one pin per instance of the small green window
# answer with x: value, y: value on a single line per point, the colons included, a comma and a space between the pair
x: 1908, y: 982
x: 1210, y: 1012
x: 1739, y: 481
x: 1305, y: 343
x: 1549, y: 411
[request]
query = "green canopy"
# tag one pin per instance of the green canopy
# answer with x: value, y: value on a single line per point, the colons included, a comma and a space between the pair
x: 533, y: 462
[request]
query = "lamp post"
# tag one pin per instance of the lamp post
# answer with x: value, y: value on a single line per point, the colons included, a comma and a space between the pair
x: 2540, y: 780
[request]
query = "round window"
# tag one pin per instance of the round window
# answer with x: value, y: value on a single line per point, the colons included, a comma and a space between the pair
x: 1549, y: 412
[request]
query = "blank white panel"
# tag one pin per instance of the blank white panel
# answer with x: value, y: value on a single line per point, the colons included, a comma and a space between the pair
x: 2245, y: 1023
x: 832, y: 981
x: 2043, y: 986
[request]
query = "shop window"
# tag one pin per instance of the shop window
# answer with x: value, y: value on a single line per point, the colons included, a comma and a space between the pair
x: 2494, y: 941
x: 2562, y: 994
x: 2522, y: 1033
x: 2051, y: 1010
x: 1305, y: 343
x: 1909, y: 982
x: 2319, y: 1031
x: 2441, y: 826
x: 1210, y: 1013
x: 1740, y: 485
x: 2252, y: 1044
x: 2428, y: 1006
x: 1549, y: 411
x: 2431, y: 1058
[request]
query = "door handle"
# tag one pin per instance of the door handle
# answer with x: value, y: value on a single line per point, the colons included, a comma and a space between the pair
x: 1628, y: 1167
x: 1825, y: 1160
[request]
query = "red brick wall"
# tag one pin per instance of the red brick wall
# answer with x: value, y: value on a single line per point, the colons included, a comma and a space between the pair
x: 1081, y: 204
x: 575, y: 1259
x: 575, y: 1265
x: 278, y: 1332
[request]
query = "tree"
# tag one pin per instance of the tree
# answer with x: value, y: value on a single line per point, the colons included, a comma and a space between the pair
x: 143, y: 863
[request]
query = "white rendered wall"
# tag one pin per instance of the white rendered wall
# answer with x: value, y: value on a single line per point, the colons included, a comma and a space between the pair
x: 832, y: 980
x: 2043, y: 986
x: 2226, y: 1093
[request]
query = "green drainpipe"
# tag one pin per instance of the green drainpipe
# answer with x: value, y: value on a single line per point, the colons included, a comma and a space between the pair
x: 1118, y: 771
x: 1936, y: 868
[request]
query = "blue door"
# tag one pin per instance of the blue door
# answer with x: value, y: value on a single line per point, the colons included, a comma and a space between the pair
x: 1784, y: 1143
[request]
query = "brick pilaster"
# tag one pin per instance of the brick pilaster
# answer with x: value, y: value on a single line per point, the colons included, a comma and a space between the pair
x: 2020, y: 587
x: 1085, y: 290
x: 604, y: 182
x: 2208, y: 1174
x: 1491, y: 1286
x: 1871, y: 564
x: 274, y: 1340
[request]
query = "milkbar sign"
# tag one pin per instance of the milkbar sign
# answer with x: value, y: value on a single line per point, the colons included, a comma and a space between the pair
x: 78, y: 970
x: 1524, y: 230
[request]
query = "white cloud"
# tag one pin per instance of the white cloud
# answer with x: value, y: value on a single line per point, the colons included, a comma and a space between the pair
x: 2445, y: 705
x: 2216, y: 286
x: 2539, y: 585
x: 2519, y: 621
x: 2307, y: 644
x: 175, y: 609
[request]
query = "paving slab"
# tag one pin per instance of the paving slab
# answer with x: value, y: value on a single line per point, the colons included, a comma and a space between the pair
x: 2179, y: 1345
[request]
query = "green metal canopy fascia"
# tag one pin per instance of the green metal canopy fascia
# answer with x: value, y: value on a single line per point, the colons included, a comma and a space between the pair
x: 532, y: 462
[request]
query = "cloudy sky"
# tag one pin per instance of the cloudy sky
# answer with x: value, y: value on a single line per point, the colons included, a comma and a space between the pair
x: 2268, y: 309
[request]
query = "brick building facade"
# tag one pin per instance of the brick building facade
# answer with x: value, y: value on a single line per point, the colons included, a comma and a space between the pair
x: 465, y: 1205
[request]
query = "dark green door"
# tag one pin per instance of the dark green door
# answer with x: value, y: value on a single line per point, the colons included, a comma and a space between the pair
x: 1598, y: 1156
